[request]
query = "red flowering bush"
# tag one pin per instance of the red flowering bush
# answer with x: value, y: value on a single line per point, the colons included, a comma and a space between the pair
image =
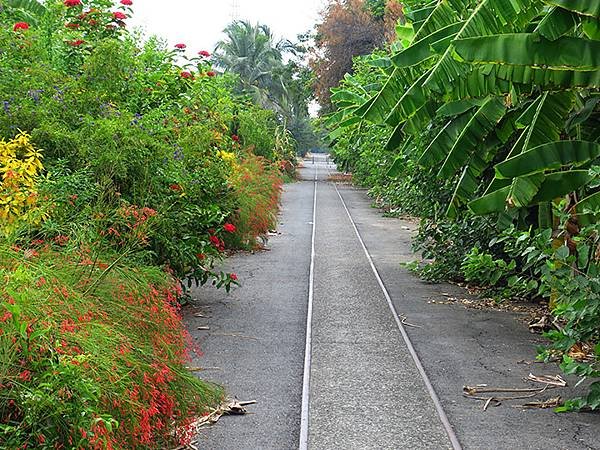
x: 104, y: 347
x: 257, y: 184
x: 71, y: 3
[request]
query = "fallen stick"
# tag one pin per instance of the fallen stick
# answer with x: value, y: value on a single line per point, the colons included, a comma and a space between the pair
x: 472, y: 390
x: 404, y: 322
x: 236, y: 335
x: 550, y: 403
x: 202, y: 369
x: 555, y: 380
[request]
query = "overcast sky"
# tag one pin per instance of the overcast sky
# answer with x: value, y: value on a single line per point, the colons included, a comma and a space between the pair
x: 199, y: 23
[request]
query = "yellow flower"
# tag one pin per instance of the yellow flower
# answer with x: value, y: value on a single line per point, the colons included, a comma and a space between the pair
x: 20, y: 165
x: 226, y: 156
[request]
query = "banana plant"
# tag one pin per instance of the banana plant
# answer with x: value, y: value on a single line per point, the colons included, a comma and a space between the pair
x: 494, y: 85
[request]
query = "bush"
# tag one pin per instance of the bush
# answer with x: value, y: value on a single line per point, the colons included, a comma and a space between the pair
x: 257, y: 185
x: 132, y: 163
x: 92, y: 353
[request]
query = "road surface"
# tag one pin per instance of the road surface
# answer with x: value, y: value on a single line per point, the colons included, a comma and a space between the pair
x: 387, y: 357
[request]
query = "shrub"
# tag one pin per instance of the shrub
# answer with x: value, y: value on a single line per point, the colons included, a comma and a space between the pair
x: 92, y: 354
x: 257, y: 184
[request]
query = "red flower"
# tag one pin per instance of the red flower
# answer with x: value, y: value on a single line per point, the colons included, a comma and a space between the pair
x: 185, y: 74
x: 204, y: 54
x: 236, y: 138
x: 210, y: 73
x: 215, y: 241
x: 76, y: 43
x: 229, y: 227
x: 180, y: 46
x: 233, y: 276
x: 126, y: 2
x: 72, y: 25
x: 25, y: 375
x: 175, y: 187
x: 21, y: 26
x: 119, y: 15
x: 71, y: 3
x: 201, y: 256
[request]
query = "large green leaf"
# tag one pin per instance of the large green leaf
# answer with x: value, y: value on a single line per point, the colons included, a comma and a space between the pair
x: 556, y: 23
x: 379, y: 107
x: 490, y: 203
x: 531, y: 49
x: 544, y: 121
x: 588, y: 209
x: 548, y: 78
x: 458, y: 107
x: 550, y: 156
x: 548, y: 187
x: 443, y: 142
x: 413, y: 99
x: 421, y: 50
x: 489, y: 17
x: 523, y: 190
x: 479, y: 126
x: 559, y: 184
x: 584, y: 7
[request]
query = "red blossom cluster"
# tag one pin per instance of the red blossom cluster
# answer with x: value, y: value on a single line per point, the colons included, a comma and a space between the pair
x: 21, y: 26
x: 126, y: 2
x: 180, y: 46
x: 118, y: 15
x: 71, y: 3
x: 187, y: 75
x: 204, y: 54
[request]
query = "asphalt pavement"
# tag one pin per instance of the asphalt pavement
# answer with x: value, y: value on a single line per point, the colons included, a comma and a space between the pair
x: 365, y: 390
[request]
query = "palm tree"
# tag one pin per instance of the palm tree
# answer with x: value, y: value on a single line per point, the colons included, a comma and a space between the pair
x: 252, y: 53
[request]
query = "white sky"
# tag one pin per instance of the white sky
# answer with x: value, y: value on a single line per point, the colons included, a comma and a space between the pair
x: 199, y: 23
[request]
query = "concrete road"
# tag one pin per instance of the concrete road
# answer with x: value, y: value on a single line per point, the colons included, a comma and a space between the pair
x: 365, y: 390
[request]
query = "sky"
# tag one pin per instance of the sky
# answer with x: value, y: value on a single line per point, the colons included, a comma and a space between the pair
x: 199, y: 23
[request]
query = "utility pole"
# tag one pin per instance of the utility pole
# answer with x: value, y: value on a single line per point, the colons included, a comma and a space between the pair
x: 235, y: 10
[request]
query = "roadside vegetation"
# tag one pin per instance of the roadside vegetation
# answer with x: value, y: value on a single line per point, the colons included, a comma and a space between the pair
x: 127, y: 171
x: 481, y: 118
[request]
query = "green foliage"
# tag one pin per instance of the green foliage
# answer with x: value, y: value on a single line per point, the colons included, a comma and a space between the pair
x: 148, y: 167
x: 497, y: 100
x: 483, y: 269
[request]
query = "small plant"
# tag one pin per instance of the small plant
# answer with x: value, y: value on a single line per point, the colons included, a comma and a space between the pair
x: 572, y: 279
x: 484, y: 270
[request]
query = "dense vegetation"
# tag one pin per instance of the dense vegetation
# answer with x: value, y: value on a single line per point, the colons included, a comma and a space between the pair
x: 125, y: 167
x: 482, y: 119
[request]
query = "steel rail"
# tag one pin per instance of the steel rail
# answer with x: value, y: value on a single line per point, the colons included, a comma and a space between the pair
x: 413, y: 353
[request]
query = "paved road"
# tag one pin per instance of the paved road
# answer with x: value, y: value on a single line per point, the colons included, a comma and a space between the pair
x: 365, y: 389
